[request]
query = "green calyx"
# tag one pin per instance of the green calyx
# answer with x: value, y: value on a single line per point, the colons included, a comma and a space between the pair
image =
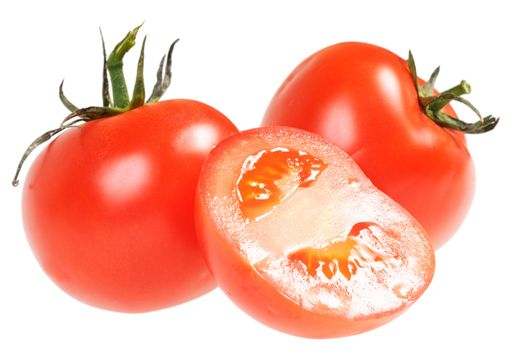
x: 121, y: 102
x: 433, y: 103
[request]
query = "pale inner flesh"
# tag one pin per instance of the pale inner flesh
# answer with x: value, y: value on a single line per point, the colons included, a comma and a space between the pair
x: 333, y: 246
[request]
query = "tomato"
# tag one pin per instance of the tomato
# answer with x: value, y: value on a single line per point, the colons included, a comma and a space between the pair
x: 298, y: 237
x: 363, y: 98
x: 108, y: 206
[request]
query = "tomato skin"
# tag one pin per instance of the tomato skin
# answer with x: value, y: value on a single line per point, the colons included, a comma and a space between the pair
x: 242, y: 281
x: 362, y: 98
x: 108, y: 206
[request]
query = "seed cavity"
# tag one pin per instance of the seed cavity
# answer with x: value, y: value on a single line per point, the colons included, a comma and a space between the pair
x: 269, y: 177
x: 360, y: 249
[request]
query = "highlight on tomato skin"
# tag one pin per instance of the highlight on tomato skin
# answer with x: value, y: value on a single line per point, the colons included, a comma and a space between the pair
x: 297, y: 236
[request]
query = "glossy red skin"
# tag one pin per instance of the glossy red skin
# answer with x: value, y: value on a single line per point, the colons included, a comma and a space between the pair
x: 248, y: 289
x: 108, y: 206
x: 362, y: 98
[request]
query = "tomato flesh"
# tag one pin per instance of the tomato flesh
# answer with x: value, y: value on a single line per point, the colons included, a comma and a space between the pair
x: 323, y: 253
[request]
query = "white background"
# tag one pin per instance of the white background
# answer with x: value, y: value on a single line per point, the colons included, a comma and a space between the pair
x: 233, y: 56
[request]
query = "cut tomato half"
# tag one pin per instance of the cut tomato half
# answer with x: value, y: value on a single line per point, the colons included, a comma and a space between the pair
x: 300, y: 239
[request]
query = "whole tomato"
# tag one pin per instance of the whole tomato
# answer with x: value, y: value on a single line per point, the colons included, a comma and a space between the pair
x: 411, y: 145
x: 108, y: 205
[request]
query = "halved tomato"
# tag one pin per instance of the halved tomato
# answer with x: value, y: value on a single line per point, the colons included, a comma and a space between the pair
x: 300, y: 239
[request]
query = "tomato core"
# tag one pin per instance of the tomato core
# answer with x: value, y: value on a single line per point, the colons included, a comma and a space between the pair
x: 269, y: 177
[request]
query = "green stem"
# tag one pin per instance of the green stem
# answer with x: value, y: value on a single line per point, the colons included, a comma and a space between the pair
x: 115, y: 69
x: 432, y: 103
x: 119, y: 90
x: 138, y: 96
x: 67, y: 103
x: 445, y: 97
x: 121, y: 104
x: 38, y: 141
x: 459, y: 90
x: 106, y: 98
x: 428, y: 88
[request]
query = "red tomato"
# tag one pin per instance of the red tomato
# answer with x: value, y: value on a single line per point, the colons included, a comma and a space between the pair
x: 108, y: 206
x: 300, y: 239
x: 363, y: 98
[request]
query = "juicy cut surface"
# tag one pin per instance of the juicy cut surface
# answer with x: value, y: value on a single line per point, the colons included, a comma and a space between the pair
x: 316, y: 229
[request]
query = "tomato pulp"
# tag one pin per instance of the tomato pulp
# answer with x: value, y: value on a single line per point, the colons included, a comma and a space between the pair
x: 108, y: 206
x: 300, y: 239
x: 363, y: 98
